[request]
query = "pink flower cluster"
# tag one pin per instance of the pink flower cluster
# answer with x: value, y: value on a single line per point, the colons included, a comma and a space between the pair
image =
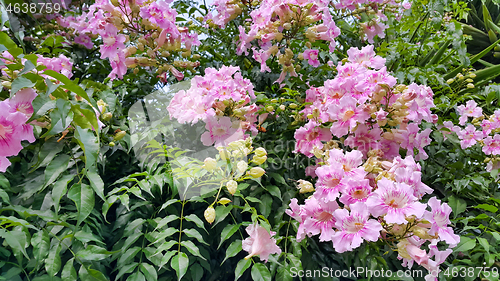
x: 364, y: 106
x: 152, y: 22
x: 220, y: 99
x: 370, y: 192
x: 482, y: 130
x: 380, y: 204
x: 60, y: 64
x: 14, y: 113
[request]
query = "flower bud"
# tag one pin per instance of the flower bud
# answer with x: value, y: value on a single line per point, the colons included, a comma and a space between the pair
x: 260, y: 152
x: 232, y: 186
x: 282, y: 107
x: 470, y: 86
x: 256, y: 172
x: 107, y: 116
x: 287, y: 26
x: 293, y: 106
x: 119, y: 135
x: 242, y: 166
x: 210, y: 164
x: 259, y: 160
x: 305, y: 186
x: 210, y: 214
x: 224, y: 201
x: 269, y: 108
x: 111, y: 144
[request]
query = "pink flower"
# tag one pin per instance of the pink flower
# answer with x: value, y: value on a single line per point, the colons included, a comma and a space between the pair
x: 4, y: 163
x: 350, y: 162
x: 395, y: 201
x: 412, y: 178
x: 364, y: 139
x: 161, y: 14
x: 298, y: 213
x: 354, y: 228
x: 347, y: 115
x: 469, y: 110
x: 22, y: 102
x: 261, y: 57
x: 111, y: 45
x: 312, y: 57
x: 10, y: 130
x: 492, y: 145
x: 310, y: 136
x: 372, y: 29
x: 260, y: 243
x: 355, y: 191
x: 221, y: 131
x: 439, y: 217
x: 319, y: 218
x: 85, y: 41
x: 366, y: 57
x: 329, y: 182
x: 469, y: 136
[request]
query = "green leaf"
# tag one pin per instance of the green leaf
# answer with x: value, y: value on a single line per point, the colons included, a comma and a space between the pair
x: 137, y: 276
x: 180, y: 264
x: 266, y: 205
x: 69, y: 85
x: 59, y: 189
x: 93, y: 253
x: 166, y: 258
x: 96, y: 183
x: 487, y: 207
x: 221, y: 213
x: 196, y: 272
x: 91, y: 274
x: 193, y: 233
x: 89, y: 144
x: 149, y: 271
x: 20, y: 83
x: 83, y: 196
x: 128, y: 268
x: 128, y: 255
x: 233, y: 250
x: 484, y: 243
x: 465, y: 244
x: 4, y: 196
x: 192, y: 248
x: 227, y: 232
x: 86, y: 237
x: 69, y: 272
x: 53, y: 261
x: 55, y: 168
x: 274, y: 191
x: 16, y: 240
x: 196, y: 220
x: 457, y: 205
x: 41, y: 244
x: 242, y: 265
x: 260, y: 272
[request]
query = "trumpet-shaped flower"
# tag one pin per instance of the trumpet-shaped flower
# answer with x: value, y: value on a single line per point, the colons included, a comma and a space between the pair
x: 469, y: 110
x: 354, y: 227
x: 395, y: 201
x: 355, y: 191
x: 439, y: 217
x: 260, y: 243
x: 319, y: 218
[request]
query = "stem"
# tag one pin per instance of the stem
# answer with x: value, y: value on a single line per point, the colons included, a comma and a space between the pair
x: 180, y: 227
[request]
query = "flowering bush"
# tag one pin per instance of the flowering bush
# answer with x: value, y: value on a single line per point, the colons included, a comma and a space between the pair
x: 305, y: 135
